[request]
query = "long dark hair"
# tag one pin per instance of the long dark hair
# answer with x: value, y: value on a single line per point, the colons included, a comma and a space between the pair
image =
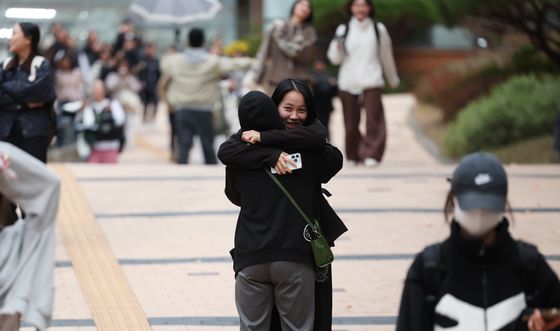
x: 309, y: 18
x: 369, y: 2
x: 30, y: 31
x: 299, y: 85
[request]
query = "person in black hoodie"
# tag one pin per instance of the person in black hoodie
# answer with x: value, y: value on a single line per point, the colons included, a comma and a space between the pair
x: 253, y: 150
x: 272, y: 256
x: 480, y: 278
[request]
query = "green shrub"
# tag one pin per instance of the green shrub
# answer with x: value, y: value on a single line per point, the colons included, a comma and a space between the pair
x: 453, y: 86
x: 523, y: 107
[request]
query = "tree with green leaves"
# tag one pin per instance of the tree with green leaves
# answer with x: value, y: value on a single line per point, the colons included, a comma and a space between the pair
x: 539, y: 20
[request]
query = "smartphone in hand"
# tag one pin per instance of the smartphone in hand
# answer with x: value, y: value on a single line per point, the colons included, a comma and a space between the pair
x: 296, y: 157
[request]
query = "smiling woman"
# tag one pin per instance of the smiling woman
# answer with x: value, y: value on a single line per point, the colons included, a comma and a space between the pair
x: 252, y: 149
x: 295, y: 103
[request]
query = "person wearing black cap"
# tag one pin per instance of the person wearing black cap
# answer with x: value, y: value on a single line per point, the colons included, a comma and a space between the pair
x: 272, y: 257
x: 480, y: 278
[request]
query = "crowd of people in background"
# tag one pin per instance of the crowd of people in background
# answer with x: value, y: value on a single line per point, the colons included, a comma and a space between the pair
x: 137, y: 75
x: 93, y: 96
x: 127, y: 71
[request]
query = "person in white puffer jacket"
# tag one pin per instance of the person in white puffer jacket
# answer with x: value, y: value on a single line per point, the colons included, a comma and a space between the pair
x: 362, y: 47
x: 27, y: 245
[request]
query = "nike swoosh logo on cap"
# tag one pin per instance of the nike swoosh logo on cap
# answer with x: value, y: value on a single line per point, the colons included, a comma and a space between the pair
x: 482, y: 179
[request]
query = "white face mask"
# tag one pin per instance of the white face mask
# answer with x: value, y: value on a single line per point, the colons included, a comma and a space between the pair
x: 476, y: 222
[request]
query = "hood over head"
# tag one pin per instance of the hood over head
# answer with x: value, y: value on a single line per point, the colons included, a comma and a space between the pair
x: 258, y: 112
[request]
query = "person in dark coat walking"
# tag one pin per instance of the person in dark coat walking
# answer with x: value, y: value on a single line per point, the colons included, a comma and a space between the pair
x: 149, y: 74
x: 479, y: 278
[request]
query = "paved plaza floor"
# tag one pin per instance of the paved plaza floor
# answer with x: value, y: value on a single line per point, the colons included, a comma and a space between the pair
x: 144, y: 244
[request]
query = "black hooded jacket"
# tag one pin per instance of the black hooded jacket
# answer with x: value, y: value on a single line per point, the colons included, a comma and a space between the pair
x: 480, y: 288
x: 269, y: 227
x: 312, y: 137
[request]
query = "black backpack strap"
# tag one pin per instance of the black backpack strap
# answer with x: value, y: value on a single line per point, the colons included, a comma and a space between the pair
x: 432, y: 274
x: 347, y: 27
x: 529, y: 256
x: 376, y: 29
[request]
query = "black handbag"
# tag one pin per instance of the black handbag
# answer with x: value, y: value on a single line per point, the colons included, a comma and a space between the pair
x: 321, y: 250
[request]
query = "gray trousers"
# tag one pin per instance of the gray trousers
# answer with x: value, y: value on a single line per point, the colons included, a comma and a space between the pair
x: 289, y: 285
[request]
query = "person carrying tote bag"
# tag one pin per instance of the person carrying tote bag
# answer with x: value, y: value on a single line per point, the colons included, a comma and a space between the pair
x: 271, y: 241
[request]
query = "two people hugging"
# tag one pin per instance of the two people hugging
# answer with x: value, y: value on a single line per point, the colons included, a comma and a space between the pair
x: 277, y: 283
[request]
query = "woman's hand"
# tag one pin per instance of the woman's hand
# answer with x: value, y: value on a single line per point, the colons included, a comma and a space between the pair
x: 4, y: 162
x: 251, y: 136
x: 281, y: 166
x: 537, y: 323
x: 5, y: 167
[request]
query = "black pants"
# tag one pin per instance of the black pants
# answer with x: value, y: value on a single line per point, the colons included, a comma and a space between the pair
x: 189, y: 123
x: 35, y: 146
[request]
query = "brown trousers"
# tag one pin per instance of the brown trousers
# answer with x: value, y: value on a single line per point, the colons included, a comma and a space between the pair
x: 10, y: 322
x: 372, y: 145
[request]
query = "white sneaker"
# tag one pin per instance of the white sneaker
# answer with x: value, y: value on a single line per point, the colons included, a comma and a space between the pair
x: 369, y: 162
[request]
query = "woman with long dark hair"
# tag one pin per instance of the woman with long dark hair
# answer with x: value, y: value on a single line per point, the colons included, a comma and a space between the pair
x: 287, y: 49
x: 362, y: 48
x: 27, y: 94
x: 251, y: 149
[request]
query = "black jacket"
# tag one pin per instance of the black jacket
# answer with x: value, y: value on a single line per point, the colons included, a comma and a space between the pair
x: 475, y: 283
x: 236, y: 154
x: 269, y: 227
x: 19, y: 87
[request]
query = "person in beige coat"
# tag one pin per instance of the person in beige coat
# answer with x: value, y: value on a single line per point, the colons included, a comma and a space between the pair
x: 287, y: 49
x: 193, y: 79
x: 27, y: 246
x: 362, y: 47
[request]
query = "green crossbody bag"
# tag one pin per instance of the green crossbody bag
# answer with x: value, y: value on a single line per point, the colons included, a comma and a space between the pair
x: 321, y: 249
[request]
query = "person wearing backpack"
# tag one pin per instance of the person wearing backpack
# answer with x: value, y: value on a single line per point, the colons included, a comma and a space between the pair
x: 362, y: 48
x: 103, y: 122
x: 479, y: 278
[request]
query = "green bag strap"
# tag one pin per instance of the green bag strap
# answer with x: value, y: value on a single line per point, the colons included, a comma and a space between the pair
x: 312, y: 225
